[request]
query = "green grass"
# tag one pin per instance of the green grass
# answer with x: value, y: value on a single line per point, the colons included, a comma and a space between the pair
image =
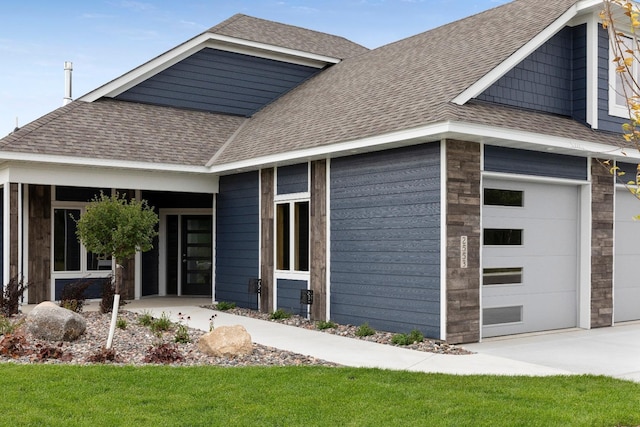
x: 36, y: 395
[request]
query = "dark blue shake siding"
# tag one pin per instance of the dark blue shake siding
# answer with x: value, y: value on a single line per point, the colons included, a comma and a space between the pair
x: 237, y: 238
x: 385, y: 239
x: 605, y: 121
x: 542, y: 81
x: 293, y: 179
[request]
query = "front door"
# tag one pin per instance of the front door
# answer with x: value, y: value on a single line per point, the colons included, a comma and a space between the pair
x: 189, y: 254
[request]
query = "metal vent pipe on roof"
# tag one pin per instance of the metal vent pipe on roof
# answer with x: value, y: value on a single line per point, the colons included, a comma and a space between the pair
x: 68, y: 68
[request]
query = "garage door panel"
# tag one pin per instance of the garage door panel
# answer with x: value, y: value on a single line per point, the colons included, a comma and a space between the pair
x: 548, y: 257
x: 626, y: 291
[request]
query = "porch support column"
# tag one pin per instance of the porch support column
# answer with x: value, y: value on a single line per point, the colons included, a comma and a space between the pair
x: 267, y: 191
x: 463, y: 220
x: 318, y: 239
x: 39, y: 256
x: 14, y: 210
x: 602, y: 216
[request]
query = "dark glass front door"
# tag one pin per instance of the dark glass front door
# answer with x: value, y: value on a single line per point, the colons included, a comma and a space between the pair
x: 196, y: 254
x: 191, y: 260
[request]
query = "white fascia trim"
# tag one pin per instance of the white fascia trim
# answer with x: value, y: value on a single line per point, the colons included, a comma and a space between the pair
x: 360, y: 145
x: 102, y: 163
x: 205, y: 40
x: 437, y: 131
x: 148, y: 69
x: 587, y: 4
x: 592, y: 71
x: 488, y: 79
x: 272, y: 52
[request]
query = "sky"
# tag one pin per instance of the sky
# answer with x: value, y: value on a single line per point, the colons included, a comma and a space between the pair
x: 107, y: 38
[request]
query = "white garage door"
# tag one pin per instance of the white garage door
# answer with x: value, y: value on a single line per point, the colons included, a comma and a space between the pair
x: 529, y: 260
x: 626, y: 293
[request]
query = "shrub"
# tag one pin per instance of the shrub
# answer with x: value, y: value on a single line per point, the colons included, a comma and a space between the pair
x: 121, y: 323
x: 224, y: 306
x: 163, y: 353
x: 365, y: 330
x: 145, y: 319
x: 407, y: 339
x: 7, y: 326
x: 10, y: 301
x: 108, y: 291
x: 13, y: 345
x: 182, y: 335
x: 280, y: 314
x: 161, y: 324
x: 322, y: 325
x: 103, y: 355
x: 45, y: 352
x: 72, y: 297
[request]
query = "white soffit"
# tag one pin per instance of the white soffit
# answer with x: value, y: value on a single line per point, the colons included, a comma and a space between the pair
x: 488, y: 79
x: 205, y: 40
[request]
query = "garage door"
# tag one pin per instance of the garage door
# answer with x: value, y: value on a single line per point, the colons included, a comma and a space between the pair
x: 626, y: 294
x: 529, y: 260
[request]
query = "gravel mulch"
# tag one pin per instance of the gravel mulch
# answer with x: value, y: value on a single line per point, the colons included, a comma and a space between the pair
x: 132, y: 345
x: 380, y: 337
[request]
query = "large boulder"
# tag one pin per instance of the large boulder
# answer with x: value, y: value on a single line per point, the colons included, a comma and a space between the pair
x: 226, y: 341
x: 50, y: 322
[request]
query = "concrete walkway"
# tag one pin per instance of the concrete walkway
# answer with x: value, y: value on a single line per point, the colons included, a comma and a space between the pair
x: 612, y: 351
x: 337, y: 349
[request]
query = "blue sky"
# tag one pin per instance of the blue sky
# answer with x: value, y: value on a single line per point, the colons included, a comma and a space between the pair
x: 106, y: 38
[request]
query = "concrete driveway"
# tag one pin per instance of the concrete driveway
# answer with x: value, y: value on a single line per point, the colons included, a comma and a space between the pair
x: 613, y: 351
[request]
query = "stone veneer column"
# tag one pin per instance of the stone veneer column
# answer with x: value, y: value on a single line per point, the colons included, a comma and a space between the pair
x: 267, y: 181
x: 463, y: 219
x: 602, y: 200
x: 39, y: 243
x: 318, y: 239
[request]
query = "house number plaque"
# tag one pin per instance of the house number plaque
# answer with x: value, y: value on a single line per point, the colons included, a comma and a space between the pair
x: 463, y: 251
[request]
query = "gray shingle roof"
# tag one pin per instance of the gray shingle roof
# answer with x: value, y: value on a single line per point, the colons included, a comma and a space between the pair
x: 287, y: 36
x: 117, y: 130
x: 402, y: 85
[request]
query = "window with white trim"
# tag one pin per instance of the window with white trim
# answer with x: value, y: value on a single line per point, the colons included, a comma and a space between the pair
x: 617, y: 100
x: 292, y: 235
x: 68, y: 254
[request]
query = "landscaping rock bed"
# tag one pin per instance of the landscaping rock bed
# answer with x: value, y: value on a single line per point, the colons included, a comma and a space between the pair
x: 131, y: 346
x: 381, y: 337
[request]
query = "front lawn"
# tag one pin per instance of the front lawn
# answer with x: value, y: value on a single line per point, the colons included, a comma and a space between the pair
x: 311, y: 396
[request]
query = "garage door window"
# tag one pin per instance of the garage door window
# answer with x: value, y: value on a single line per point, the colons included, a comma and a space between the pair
x: 501, y: 276
x: 500, y: 315
x: 498, y: 197
x: 502, y: 237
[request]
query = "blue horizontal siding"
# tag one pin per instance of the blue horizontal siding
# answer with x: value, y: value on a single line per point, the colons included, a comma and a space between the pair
x: 511, y: 160
x: 385, y: 239
x: 219, y: 81
x: 289, y: 296
x: 237, y: 241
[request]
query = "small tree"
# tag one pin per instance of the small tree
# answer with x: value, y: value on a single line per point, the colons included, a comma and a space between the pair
x: 621, y: 18
x: 117, y: 227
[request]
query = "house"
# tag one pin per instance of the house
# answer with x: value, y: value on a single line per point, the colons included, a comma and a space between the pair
x: 449, y: 182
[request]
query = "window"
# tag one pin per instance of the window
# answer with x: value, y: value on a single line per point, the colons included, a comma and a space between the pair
x: 501, y: 276
x: 501, y: 315
x: 502, y: 237
x: 292, y: 236
x: 496, y: 197
x: 617, y: 99
x: 67, y: 250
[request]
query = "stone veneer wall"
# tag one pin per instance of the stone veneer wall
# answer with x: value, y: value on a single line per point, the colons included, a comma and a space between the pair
x: 602, y: 217
x: 463, y: 219
x: 267, y: 179
x: 318, y: 239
